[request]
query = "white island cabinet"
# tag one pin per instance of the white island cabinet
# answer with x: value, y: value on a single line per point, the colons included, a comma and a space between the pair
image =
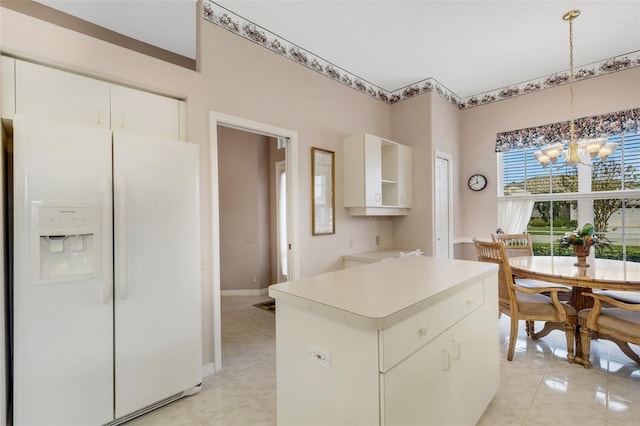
x: 410, y: 341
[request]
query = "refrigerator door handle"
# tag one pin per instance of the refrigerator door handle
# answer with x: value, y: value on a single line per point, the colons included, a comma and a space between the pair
x: 122, y: 244
x: 105, y: 192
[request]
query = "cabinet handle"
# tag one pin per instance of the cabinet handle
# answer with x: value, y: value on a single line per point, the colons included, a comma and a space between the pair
x: 456, y: 348
x: 122, y: 120
x: 98, y: 116
x: 469, y: 301
x: 446, y: 360
x: 378, y: 196
x: 423, y: 330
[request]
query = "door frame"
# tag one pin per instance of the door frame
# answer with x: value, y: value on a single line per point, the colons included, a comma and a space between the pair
x: 449, y: 159
x: 293, y: 226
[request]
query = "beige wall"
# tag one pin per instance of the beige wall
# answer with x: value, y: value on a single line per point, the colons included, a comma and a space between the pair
x: 245, y: 216
x: 480, y: 125
x: 240, y: 78
x: 411, y: 125
x: 237, y: 78
x: 428, y: 124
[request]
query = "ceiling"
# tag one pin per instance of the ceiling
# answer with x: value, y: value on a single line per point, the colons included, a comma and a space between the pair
x: 470, y: 47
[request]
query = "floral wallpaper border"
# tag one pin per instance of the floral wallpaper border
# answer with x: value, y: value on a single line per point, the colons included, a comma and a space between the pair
x: 226, y: 19
x: 614, y: 123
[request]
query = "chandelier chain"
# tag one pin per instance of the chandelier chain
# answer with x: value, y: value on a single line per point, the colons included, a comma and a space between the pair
x: 571, y: 79
x: 549, y: 154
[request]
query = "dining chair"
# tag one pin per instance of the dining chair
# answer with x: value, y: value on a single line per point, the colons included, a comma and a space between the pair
x: 612, y: 319
x: 522, y: 245
x: 515, y: 244
x: 527, y: 302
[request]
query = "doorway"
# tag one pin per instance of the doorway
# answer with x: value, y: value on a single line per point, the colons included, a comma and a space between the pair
x: 292, y: 223
x: 443, y: 212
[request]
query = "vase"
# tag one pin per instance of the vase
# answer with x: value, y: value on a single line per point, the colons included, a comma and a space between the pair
x: 581, y: 253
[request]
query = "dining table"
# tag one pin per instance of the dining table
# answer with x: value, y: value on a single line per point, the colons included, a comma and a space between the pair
x: 614, y: 276
x: 601, y: 274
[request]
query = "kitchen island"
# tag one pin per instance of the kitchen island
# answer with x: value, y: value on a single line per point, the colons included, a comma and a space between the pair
x: 359, y: 259
x: 412, y: 340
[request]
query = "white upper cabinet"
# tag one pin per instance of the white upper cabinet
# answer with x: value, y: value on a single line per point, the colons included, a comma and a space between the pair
x: 405, y: 179
x: 8, y: 88
x: 58, y: 95
x: 40, y: 91
x: 137, y: 111
x: 377, y: 176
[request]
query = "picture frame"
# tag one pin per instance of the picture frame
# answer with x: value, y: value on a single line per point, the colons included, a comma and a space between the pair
x: 322, y: 192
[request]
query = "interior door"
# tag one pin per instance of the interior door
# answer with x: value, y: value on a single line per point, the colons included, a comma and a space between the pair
x: 63, y: 315
x: 157, y: 270
x: 442, y: 207
x: 281, y: 222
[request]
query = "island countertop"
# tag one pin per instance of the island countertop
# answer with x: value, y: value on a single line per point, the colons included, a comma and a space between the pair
x: 378, y: 295
x: 380, y: 255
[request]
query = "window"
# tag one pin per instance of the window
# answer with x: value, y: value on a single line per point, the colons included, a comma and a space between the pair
x: 605, y: 193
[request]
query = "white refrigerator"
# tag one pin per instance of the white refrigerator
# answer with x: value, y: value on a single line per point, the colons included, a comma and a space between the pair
x: 106, y: 292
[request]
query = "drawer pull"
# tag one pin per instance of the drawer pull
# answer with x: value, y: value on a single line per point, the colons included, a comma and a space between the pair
x: 423, y: 330
x: 446, y: 360
x: 456, y: 348
x: 469, y: 301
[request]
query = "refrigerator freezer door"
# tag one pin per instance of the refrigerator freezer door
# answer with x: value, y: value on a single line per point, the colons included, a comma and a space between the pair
x: 157, y: 270
x: 63, y: 329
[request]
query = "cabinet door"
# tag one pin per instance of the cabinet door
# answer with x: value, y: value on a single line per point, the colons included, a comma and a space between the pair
x: 8, y: 92
x: 58, y: 95
x: 419, y: 390
x: 405, y: 177
x: 146, y: 113
x: 475, y: 368
x: 449, y: 381
x: 373, y: 171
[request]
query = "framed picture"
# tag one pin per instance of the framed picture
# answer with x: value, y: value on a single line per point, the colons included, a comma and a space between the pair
x: 322, y: 192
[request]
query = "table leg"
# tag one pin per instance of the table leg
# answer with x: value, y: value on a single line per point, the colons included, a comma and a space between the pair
x: 578, y: 301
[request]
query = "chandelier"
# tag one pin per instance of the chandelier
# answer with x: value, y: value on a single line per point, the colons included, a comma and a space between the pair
x: 594, y: 147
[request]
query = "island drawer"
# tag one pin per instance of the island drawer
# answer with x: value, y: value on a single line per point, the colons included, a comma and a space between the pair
x: 402, y: 339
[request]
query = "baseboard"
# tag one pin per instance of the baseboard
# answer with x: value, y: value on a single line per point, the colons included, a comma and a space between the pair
x: 208, y: 369
x: 249, y: 292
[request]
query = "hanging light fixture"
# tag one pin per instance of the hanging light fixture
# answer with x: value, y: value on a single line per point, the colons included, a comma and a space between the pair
x: 572, y: 155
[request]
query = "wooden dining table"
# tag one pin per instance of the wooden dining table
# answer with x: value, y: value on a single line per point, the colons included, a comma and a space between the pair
x: 601, y: 274
x: 605, y: 274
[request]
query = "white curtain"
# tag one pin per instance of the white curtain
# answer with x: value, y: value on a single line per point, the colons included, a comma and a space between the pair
x: 514, y: 215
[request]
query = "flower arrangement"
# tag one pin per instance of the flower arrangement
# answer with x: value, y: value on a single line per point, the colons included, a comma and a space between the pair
x: 584, y: 236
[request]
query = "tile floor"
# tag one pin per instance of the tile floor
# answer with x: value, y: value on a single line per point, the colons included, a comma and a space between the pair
x: 539, y: 387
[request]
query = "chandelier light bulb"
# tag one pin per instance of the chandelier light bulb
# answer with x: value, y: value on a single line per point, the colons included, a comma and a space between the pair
x: 542, y: 159
x: 593, y: 146
x: 553, y: 151
x: 606, y: 150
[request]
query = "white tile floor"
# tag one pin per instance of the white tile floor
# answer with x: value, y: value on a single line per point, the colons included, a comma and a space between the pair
x: 539, y: 387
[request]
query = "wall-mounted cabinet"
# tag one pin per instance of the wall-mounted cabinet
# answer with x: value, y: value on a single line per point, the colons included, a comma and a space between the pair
x: 41, y: 91
x: 58, y: 95
x: 8, y: 79
x: 377, y: 176
x: 143, y: 112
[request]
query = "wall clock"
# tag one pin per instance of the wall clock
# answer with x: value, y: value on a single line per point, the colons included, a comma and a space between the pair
x: 477, y: 182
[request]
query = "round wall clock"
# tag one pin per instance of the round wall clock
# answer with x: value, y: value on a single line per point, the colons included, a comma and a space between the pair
x: 477, y: 182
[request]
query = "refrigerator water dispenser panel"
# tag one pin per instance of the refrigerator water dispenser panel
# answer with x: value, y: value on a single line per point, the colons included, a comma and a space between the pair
x: 68, y: 237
